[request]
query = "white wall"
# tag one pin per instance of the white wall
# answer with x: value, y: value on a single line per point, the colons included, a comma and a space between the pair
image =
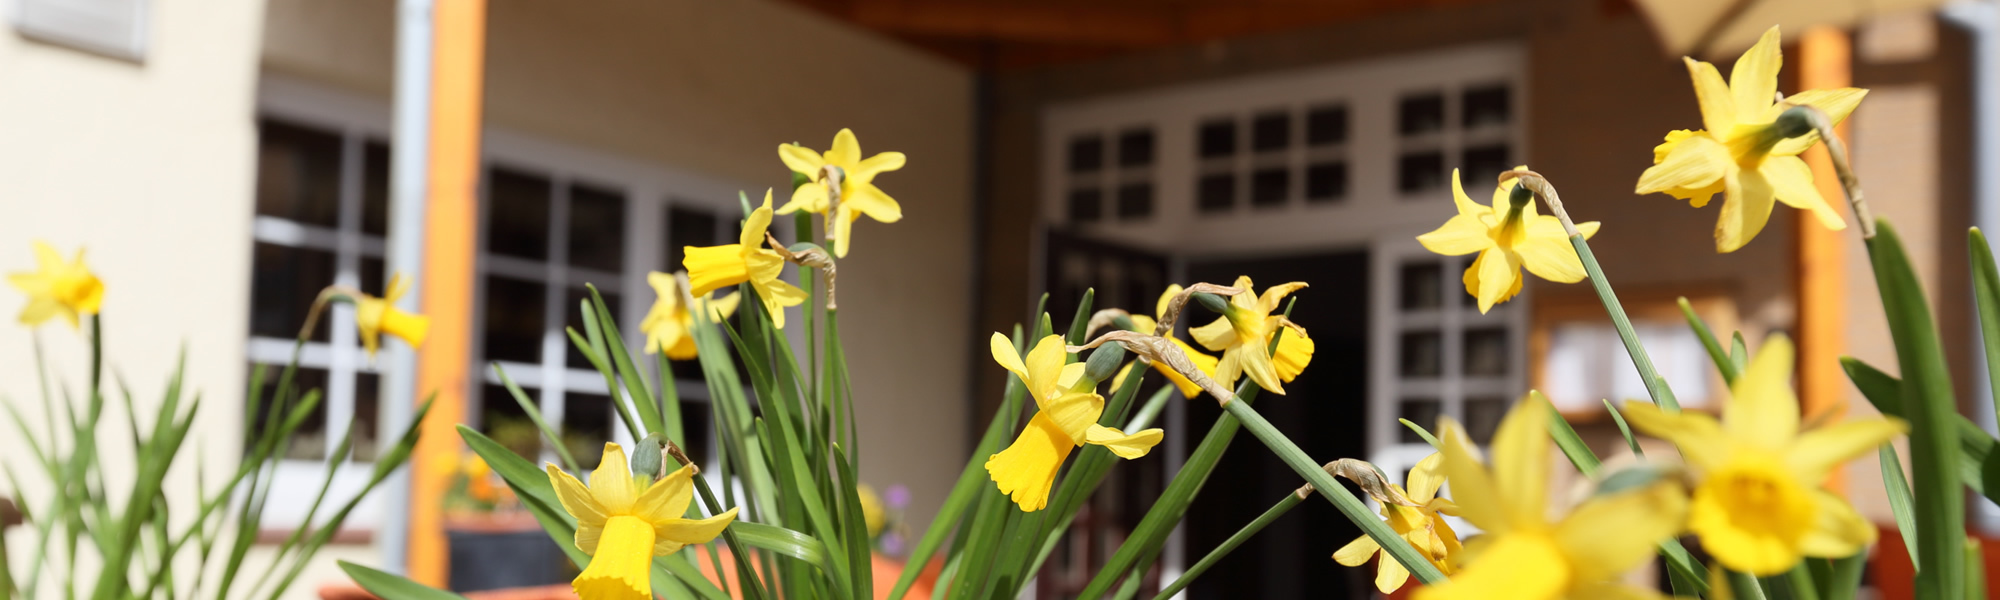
x: 148, y: 166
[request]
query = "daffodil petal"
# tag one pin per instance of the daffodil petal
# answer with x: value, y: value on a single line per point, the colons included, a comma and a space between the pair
x: 1273, y: 295
x: 1792, y: 181
x: 1466, y: 207
x: 1521, y: 459
x: 576, y: 498
x: 714, y: 267
x: 1836, y: 103
x: 1044, y: 364
x: 667, y: 498
x: 1003, y: 353
x: 1817, y: 452
x: 1746, y: 207
x: 1462, y: 234
x: 1753, y: 81
x: 1701, y: 440
x: 611, y: 483
x: 1761, y: 406
x: 1511, y: 566
x: 1472, y: 486
x: 1295, y: 351
x: 800, y: 159
x: 1548, y: 254
x: 871, y: 201
x: 693, y: 531
x: 810, y: 197
x: 1217, y: 335
x: 1696, y: 161
x: 1499, y: 277
x: 1718, y: 108
x: 1610, y: 534
x: 1166, y: 300
x: 846, y: 150
x: 1838, y: 531
x: 754, y: 225
x: 866, y: 170
x: 1357, y: 552
x: 1126, y: 446
x: 1390, y: 575
x: 588, y: 536
x: 1426, y: 478
x: 622, y: 567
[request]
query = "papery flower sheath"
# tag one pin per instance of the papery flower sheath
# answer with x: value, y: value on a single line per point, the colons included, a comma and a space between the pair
x: 1423, y: 526
x: 1526, y: 555
x: 58, y: 288
x: 1203, y: 362
x: 1069, y: 410
x: 375, y: 316
x: 624, y: 520
x: 1508, y: 236
x: 669, y: 323
x: 710, y: 268
x: 858, y: 194
x: 1758, y: 507
x: 1243, y: 336
x: 1745, y: 151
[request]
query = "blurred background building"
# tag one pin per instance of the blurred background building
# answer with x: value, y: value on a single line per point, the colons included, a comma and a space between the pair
x: 224, y: 160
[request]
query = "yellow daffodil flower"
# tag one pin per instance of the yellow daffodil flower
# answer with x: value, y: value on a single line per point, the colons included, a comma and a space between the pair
x: 747, y: 260
x: 1508, y: 236
x: 1757, y: 506
x: 1423, y: 527
x: 1243, y: 336
x: 1069, y: 409
x: 1524, y: 554
x: 858, y: 194
x: 622, y: 522
x: 1146, y: 324
x: 872, y: 512
x: 1747, y: 153
x: 376, y: 316
x: 669, y: 324
x: 58, y: 288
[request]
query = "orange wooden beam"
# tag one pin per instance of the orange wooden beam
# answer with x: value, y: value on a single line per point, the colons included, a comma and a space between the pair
x: 450, y: 238
x: 1826, y: 61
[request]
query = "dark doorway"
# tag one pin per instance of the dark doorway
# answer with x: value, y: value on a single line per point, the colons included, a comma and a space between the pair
x: 1324, y: 411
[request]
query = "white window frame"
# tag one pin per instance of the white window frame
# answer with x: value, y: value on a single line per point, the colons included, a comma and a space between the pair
x: 650, y: 190
x: 1372, y: 214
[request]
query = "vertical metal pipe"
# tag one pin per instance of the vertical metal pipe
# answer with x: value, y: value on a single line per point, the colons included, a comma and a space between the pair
x: 407, y: 184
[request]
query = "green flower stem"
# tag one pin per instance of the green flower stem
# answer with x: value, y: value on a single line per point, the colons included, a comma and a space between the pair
x: 1242, y: 535
x: 1342, y: 499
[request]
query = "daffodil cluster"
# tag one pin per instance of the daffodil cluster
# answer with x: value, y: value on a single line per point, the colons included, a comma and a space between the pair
x: 669, y: 325
x: 1421, y: 522
x: 1508, y: 236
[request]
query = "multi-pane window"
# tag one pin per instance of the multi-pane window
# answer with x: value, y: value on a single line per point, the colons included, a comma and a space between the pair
x: 1290, y: 153
x: 322, y: 212
x: 1448, y: 358
x: 1437, y: 129
x: 1110, y: 175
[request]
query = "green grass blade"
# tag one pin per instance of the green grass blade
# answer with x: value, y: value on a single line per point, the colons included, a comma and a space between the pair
x: 393, y: 587
x: 783, y: 541
x: 1978, y: 466
x: 1655, y: 385
x: 1928, y: 400
x: 535, y: 414
x: 1986, y: 294
x: 1686, y: 575
x: 965, y: 492
x: 635, y: 382
x: 1901, y: 504
x: 1623, y: 429
x: 1708, y: 342
x: 1844, y: 581
x: 1421, y: 432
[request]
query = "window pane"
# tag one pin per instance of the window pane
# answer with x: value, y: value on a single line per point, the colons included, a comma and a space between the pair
x: 284, y: 281
x: 1135, y: 148
x: 308, y: 441
x: 686, y: 227
x: 1086, y: 154
x: 1485, y: 352
x: 1486, y: 105
x: 1420, y: 113
x: 502, y: 419
x: 1483, y: 165
x: 1271, y: 132
x: 372, y: 278
x: 1086, y: 204
x: 517, y: 214
x: 1218, y: 138
x: 1135, y: 200
x: 1270, y: 187
x: 586, y: 426
x: 1422, y: 354
x: 573, y: 315
x: 514, y: 315
x: 1420, y: 172
x: 596, y: 228
x: 367, y: 416
x: 298, y: 173
x: 375, y: 188
x: 1216, y: 193
x: 1482, y: 418
x: 1422, y: 411
x: 1326, y: 125
x: 1326, y: 182
x: 1421, y: 285
x: 698, y: 426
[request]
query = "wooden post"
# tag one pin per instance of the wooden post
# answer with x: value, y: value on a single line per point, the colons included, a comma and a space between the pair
x: 451, y: 235
x: 1825, y: 61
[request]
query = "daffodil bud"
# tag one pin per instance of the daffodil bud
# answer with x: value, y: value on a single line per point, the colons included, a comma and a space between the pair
x: 1212, y: 302
x: 1104, y: 363
x: 648, y: 456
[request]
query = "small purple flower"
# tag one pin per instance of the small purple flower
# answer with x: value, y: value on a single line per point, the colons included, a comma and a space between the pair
x: 892, y: 543
x: 898, y: 496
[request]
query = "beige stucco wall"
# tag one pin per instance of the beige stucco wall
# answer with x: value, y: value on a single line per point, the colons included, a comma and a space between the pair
x: 148, y: 166
x: 713, y: 88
